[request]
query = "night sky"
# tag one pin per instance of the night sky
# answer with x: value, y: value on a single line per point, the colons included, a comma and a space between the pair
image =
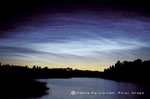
x: 84, y: 35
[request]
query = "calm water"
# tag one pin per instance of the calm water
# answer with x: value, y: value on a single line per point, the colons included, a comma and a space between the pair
x: 94, y: 88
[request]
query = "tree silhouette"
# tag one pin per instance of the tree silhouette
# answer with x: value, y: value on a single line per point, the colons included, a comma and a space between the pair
x: 136, y: 70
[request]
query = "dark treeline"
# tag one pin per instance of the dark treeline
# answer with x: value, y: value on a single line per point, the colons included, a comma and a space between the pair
x: 126, y: 70
x: 36, y: 72
x: 136, y: 70
x: 19, y: 81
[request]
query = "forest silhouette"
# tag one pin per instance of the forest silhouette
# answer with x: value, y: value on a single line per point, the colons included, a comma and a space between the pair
x: 136, y: 70
x: 19, y: 81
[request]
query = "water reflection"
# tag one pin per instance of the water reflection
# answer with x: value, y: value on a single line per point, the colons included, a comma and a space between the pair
x: 94, y: 88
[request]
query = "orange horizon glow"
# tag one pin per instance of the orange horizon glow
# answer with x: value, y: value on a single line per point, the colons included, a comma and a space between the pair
x: 95, y: 68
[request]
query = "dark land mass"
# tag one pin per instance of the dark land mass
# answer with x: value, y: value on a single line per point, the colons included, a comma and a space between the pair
x: 21, y: 88
x: 19, y: 81
x: 135, y: 71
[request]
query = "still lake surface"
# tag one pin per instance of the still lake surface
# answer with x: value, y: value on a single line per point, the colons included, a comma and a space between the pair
x: 94, y: 88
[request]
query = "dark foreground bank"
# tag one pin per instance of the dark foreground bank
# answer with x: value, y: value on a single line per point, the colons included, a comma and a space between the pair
x: 17, y: 82
x: 21, y: 88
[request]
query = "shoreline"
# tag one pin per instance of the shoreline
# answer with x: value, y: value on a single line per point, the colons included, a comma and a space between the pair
x: 22, y: 88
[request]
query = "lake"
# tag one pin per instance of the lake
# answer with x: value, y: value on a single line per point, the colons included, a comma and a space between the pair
x: 94, y: 88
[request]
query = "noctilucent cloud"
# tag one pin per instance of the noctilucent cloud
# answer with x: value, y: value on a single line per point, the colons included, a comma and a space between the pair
x: 82, y: 39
